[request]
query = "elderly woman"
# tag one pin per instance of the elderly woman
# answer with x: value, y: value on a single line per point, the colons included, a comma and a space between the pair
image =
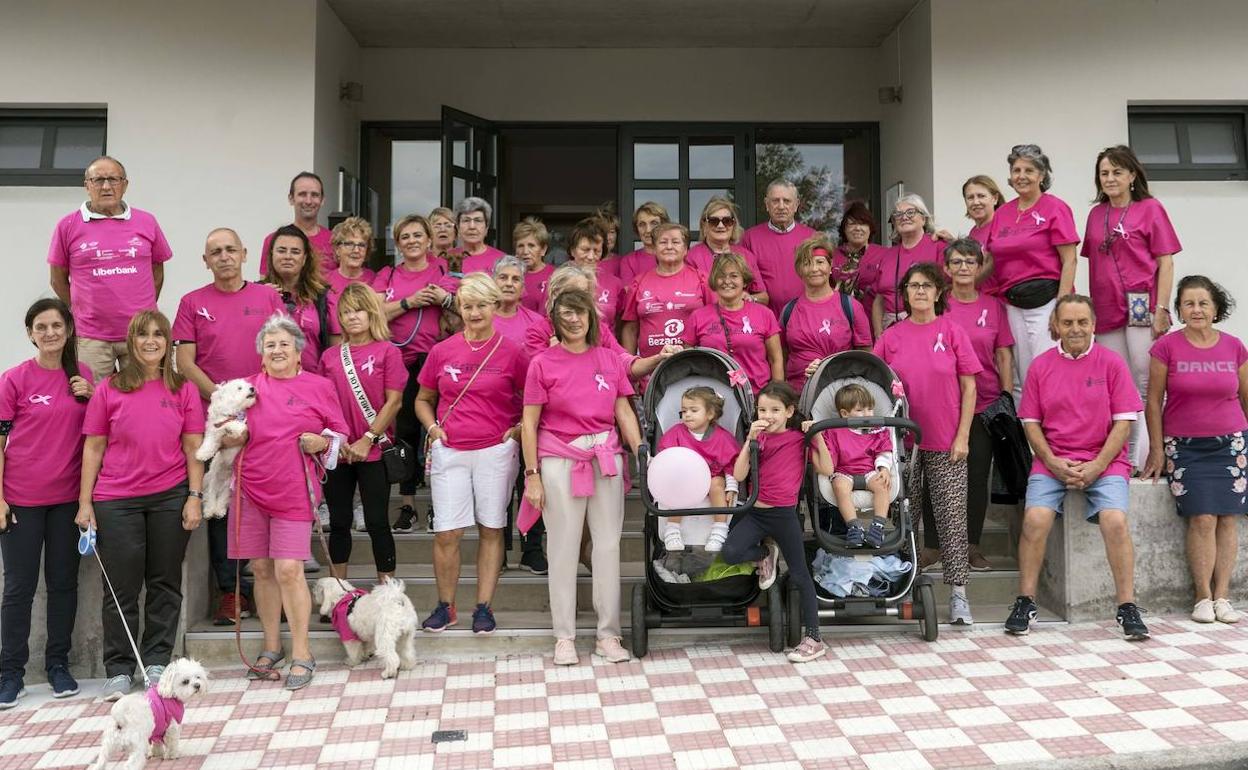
x: 823, y: 320
x: 659, y: 303
x: 442, y: 246
x: 721, y: 232
x: 367, y: 358
x: 856, y: 261
x: 747, y: 331
x: 575, y: 395
x: 40, y: 473
x: 469, y: 402
x: 936, y: 362
x: 913, y: 223
x: 512, y: 317
x: 610, y: 221
x: 142, y: 489
x: 297, y: 416
x: 473, y: 216
x: 1032, y: 242
x: 1130, y: 246
x: 297, y: 277
x: 585, y: 244
x: 353, y: 240
x: 648, y: 216
x: 414, y: 294
x: 982, y: 317
x: 1198, y: 438
x: 531, y: 240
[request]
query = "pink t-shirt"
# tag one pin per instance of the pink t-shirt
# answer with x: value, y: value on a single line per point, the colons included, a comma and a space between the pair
x: 610, y: 265
x: 538, y: 336
x: 701, y: 257
x: 483, y: 262
x: 817, y: 329
x: 661, y: 306
x: 110, y: 264
x: 854, y: 452
x: 865, y: 276
x: 308, y: 318
x: 577, y: 390
x: 223, y: 327
x: 775, y: 253
x: 985, y: 323
x: 322, y: 246
x: 1024, y: 245
x: 607, y: 297
x: 1141, y: 233
x: 337, y: 283
x: 1202, y: 386
x: 929, y: 358
x: 492, y: 405
x: 415, y: 331
x: 749, y: 327
x: 894, y: 263
x: 43, y: 456
x: 143, y: 454
x: 1075, y: 402
x: 379, y: 366
x: 274, y: 466
x: 718, y: 447
x: 535, y: 289
x: 515, y: 327
x: 634, y: 264
x: 781, y: 463
x: 979, y: 233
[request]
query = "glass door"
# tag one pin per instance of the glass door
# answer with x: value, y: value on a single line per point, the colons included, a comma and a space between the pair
x: 469, y: 160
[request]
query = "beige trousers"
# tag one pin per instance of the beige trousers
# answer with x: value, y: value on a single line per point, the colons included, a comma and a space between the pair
x: 101, y: 355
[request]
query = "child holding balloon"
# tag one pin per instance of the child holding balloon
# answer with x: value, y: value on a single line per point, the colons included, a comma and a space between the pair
x: 781, y: 463
x: 698, y: 429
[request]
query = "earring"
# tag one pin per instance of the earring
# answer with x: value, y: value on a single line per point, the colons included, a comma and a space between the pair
x: 1133, y: 187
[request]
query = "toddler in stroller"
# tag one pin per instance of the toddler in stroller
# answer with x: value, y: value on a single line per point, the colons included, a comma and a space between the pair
x: 700, y: 411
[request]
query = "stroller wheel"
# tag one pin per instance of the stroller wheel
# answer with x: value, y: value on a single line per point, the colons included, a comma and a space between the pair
x: 775, y: 617
x: 640, y: 634
x: 927, y: 598
x: 794, y: 616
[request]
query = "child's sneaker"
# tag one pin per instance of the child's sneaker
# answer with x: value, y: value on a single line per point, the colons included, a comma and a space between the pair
x: 672, y: 540
x: 810, y: 649
x: 875, y: 533
x: 719, y: 535
x: 766, y: 567
x: 855, y: 536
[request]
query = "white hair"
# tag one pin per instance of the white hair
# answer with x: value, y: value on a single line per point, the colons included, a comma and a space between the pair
x: 280, y: 322
x: 509, y: 260
x: 916, y: 200
x: 781, y: 182
x: 472, y: 203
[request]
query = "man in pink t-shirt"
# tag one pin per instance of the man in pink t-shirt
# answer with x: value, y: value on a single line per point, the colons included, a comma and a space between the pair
x: 107, y: 263
x: 775, y: 242
x: 306, y: 196
x: 1078, y: 405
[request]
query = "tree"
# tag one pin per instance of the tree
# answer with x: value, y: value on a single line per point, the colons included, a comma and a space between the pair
x: 821, y: 192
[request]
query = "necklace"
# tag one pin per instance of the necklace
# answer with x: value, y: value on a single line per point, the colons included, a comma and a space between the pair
x: 1019, y: 217
x: 1112, y: 235
x: 480, y: 347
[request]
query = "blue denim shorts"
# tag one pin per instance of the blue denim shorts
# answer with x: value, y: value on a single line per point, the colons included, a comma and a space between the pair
x: 1106, y: 493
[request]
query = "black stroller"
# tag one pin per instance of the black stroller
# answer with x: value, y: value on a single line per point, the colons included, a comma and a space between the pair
x: 905, y: 596
x: 729, y: 601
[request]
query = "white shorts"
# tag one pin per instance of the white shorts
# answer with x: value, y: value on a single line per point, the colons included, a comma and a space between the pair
x: 472, y: 486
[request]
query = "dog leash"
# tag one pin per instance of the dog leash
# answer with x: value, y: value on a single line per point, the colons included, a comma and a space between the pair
x: 86, y: 545
x: 322, y: 475
x: 238, y: 570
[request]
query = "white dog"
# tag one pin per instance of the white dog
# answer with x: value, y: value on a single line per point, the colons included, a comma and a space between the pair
x: 380, y: 622
x: 148, y: 724
x: 227, y: 416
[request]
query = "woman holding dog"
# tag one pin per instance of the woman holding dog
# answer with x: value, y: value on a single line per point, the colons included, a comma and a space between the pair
x: 142, y: 489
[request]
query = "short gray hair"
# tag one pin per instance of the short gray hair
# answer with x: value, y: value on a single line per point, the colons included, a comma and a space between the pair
x: 280, y: 322
x: 509, y: 260
x: 916, y: 200
x: 472, y: 203
x: 1036, y: 157
x: 781, y: 182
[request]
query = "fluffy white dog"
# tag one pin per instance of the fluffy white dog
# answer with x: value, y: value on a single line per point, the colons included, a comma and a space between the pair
x: 148, y: 724
x: 227, y: 416
x: 380, y: 622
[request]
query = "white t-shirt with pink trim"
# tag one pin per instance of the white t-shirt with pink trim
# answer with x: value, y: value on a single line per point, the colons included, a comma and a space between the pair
x: 577, y: 391
x: 1138, y: 234
x: 985, y: 323
x: 661, y: 306
x: 492, y: 405
x: 43, y: 453
x: 1202, y: 385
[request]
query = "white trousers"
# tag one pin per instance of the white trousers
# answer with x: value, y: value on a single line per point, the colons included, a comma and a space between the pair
x: 1133, y: 344
x: 1031, y: 338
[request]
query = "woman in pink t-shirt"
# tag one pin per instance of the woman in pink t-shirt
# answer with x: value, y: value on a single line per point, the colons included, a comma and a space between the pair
x: 658, y: 304
x: 721, y: 233
x: 512, y: 318
x: 43, y: 401
x: 142, y: 489
x: 648, y: 216
x: 575, y: 395
x: 915, y: 243
x: 856, y: 261
x: 353, y: 241
x: 531, y: 240
x: 1130, y: 246
x: 585, y: 244
x: 744, y: 329
x: 442, y: 244
x: 473, y: 216
x: 297, y: 276
x: 1198, y: 439
x: 610, y: 221
x: 822, y: 321
x: 937, y: 365
x: 469, y: 403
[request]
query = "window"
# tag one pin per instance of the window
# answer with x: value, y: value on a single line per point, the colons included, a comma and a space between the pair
x: 829, y: 166
x: 49, y: 148
x: 1191, y: 143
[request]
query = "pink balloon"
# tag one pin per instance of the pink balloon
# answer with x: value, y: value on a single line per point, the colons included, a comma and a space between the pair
x: 678, y: 478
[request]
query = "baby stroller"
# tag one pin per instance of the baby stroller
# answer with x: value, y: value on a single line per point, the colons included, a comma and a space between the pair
x: 728, y: 601
x: 890, y: 594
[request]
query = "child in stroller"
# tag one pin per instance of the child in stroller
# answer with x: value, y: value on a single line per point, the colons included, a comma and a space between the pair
x: 861, y: 457
x: 700, y: 411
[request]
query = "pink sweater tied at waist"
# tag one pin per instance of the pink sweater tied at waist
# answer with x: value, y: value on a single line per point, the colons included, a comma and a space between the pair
x: 550, y: 445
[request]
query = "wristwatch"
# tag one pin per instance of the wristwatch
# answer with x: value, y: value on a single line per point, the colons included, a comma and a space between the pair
x: 195, y: 493
x: 373, y: 437
x: 531, y: 472
x: 403, y: 304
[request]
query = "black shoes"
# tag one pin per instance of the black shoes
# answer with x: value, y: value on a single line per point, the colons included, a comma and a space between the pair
x: 1019, y: 621
x: 1132, y: 625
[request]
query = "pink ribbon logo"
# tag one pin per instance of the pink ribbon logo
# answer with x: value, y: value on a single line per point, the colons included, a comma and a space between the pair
x: 983, y: 318
x: 370, y: 364
x: 604, y: 297
x: 746, y: 328
x: 940, y: 343
x: 601, y: 382
x: 203, y: 311
x: 1121, y: 231
x: 738, y: 378
x: 1039, y: 219
x: 453, y: 372
x: 41, y: 399
x: 899, y: 390
x: 826, y: 327
x: 389, y: 294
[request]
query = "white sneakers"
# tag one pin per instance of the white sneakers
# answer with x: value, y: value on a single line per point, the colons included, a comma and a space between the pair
x: 1208, y: 611
x: 610, y: 649
x: 672, y: 540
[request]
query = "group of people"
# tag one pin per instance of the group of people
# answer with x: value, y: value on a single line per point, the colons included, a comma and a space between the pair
x: 513, y: 378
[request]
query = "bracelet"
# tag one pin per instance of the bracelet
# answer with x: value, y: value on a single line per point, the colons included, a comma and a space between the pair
x: 448, y: 300
x: 531, y: 472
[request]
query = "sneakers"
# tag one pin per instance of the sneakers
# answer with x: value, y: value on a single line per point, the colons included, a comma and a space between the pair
x: 405, y: 522
x: 483, y: 620
x: 977, y: 561
x: 810, y: 649
x: 1203, y: 611
x: 719, y: 535
x: 672, y: 540
x: 357, y: 519
x: 153, y: 673
x: 442, y: 616
x: 11, y: 688
x: 767, y: 565
x: 224, y: 615
x: 429, y: 521
x: 1224, y: 612
x: 855, y: 535
x: 960, y: 611
x: 565, y: 653
x: 1023, y: 612
x: 311, y: 566
x: 929, y: 559
x: 322, y: 514
x: 534, y: 561
x: 63, y: 683
x: 612, y: 650
x: 1132, y: 625
x: 116, y: 687
x: 875, y: 533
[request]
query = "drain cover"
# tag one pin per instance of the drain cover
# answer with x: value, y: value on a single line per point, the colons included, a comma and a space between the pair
x: 447, y: 736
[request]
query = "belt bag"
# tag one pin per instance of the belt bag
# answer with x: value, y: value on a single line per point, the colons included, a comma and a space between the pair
x: 398, y: 459
x: 1032, y: 294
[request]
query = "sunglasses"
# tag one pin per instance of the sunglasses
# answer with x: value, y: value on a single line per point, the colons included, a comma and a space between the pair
x: 720, y: 221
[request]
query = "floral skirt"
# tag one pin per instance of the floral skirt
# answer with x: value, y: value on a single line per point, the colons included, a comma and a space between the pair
x: 1208, y: 475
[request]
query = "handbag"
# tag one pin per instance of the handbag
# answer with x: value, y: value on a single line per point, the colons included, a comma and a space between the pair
x: 1032, y: 294
x: 1010, y: 450
x: 451, y: 408
x: 398, y: 460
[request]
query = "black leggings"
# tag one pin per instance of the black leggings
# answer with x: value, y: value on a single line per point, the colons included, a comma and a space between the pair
x: 340, y: 486
x: 408, y: 428
x: 978, y: 468
x: 44, y: 532
x: 744, y: 544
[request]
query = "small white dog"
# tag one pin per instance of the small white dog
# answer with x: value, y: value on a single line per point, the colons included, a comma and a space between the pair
x: 148, y: 724
x: 227, y: 416
x: 380, y: 622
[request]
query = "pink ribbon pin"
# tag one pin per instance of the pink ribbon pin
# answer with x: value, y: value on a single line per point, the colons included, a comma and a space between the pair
x: 983, y: 318
x: 1039, y: 219
x: 371, y: 363
x: 453, y: 372
x: 41, y: 399
x: 203, y: 311
x: 940, y: 343
x: 746, y: 328
x: 826, y: 327
x: 602, y: 382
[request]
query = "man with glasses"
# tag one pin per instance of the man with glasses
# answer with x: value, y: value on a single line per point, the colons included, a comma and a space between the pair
x: 106, y: 261
x: 775, y: 243
x: 306, y: 196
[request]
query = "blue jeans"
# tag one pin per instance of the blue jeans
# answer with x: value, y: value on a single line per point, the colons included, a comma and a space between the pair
x: 1107, y: 493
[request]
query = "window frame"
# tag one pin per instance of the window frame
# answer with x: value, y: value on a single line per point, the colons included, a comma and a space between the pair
x: 1182, y: 117
x: 50, y: 120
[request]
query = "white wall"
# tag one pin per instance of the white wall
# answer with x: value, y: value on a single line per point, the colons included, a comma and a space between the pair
x: 1005, y: 72
x: 337, y: 140
x: 210, y: 106
x: 905, y: 59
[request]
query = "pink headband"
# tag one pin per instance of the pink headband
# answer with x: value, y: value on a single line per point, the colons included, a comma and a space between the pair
x: 820, y: 252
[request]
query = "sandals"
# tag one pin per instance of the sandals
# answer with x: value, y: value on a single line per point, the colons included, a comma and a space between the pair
x: 266, y: 672
x: 299, y: 681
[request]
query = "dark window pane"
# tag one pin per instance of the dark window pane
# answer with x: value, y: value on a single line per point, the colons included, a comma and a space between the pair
x: 1155, y: 141
x: 21, y: 146
x: 711, y: 161
x: 1213, y: 142
x: 656, y: 161
x: 76, y: 146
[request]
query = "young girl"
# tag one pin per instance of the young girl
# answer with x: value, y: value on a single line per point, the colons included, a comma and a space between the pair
x: 700, y: 410
x: 860, y: 452
x: 781, y: 459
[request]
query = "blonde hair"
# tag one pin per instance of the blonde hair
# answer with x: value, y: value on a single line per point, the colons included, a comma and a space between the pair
x: 724, y: 262
x: 663, y: 227
x: 720, y: 202
x: 654, y: 210
x: 531, y: 227
x: 354, y: 225
x: 805, y: 252
x: 479, y: 287
x: 407, y: 222
x: 130, y: 377
x: 357, y: 296
x: 564, y: 275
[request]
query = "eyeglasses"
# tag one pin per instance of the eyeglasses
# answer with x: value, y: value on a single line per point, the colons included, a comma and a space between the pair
x: 923, y: 287
x: 720, y: 221
x: 100, y: 181
x: 442, y: 224
x: 352, y: 245
x: 902, y: 216
x: 472, y: 220
x: 962, y: 262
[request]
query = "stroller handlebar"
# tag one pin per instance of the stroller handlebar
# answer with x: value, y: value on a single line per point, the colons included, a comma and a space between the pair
x: 909, y: 426
x: 652, y: 509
